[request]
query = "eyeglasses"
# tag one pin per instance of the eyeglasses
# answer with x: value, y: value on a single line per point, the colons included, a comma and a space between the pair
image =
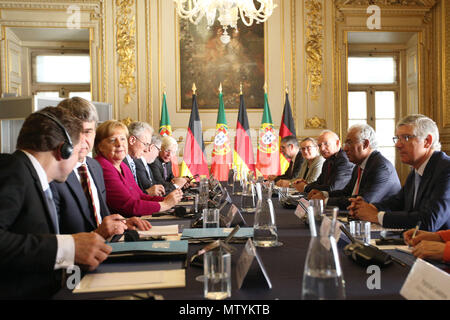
x: 308, y: 148
x: 146, y: 144
x: 350, y: 142
x: 325, y: 144
x: 403, y: 138
x: 159, y: 149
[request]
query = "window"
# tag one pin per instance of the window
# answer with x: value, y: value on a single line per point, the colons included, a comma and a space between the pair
x: 61, y: 74
x: 372, y: 97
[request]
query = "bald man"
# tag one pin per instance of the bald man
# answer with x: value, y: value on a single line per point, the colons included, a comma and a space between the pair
x: 336, y: 170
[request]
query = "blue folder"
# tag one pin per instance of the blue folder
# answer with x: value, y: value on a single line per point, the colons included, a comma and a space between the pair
x: 149, y: 247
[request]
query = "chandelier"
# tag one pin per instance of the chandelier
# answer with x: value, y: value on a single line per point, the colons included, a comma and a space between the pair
x: 228, y: 11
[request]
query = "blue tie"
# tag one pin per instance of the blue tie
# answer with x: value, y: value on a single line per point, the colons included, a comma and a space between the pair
x: 133, y: 169
x: 416, y: 186
x: 52, y: 208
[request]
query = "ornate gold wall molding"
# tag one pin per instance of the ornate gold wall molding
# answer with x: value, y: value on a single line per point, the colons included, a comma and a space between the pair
x: 446, y: 69
x: 126, y: 46
x: 314, y: 46
x: 402, y: 3
x: 315, y: 123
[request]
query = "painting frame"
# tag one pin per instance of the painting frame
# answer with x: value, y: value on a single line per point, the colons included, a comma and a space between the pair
x: 213, y: 106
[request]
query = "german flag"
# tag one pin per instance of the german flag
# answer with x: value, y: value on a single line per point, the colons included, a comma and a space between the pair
x: 194, y: 158
x: 243, y: 158
x: 287, y: 128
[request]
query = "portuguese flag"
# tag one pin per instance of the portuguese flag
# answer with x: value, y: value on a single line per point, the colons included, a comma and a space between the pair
x: 268, y: 161
x: 221, y: 155
x: 243, y: 158
x: 287, y: 128
x: 165, y: 129
x: 194, y: 158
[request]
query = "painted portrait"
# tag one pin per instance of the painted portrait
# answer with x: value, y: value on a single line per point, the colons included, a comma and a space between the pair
x: 207, y: 62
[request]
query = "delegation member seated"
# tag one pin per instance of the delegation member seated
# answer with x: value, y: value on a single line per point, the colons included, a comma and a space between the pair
x: 311, y: 168
x: 34, y: 254
x: 123, y: 195
x: 374, y: 177
x: 425, y: 196
x: 162, y: 166
x: 81, y: 199
x: 290, y: 149
x: 429, y: 245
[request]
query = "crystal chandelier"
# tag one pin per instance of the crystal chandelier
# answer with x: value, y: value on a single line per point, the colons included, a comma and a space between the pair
x: 228, y: 11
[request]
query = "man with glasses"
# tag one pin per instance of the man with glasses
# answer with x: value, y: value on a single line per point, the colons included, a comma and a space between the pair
x: 374, y: 177
x: 424, y: 199
x: 290, y: 149
x: 144, y: 172
x: 162, y: 166
x: 336, y: 170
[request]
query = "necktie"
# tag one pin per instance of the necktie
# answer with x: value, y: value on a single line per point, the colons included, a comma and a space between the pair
x: 133, y: 169
x: 306, y: 173
x: 52, y: 208
x: 86, y: 185
x: 165, y: 171
x: 358, y: 180
x: 417, y: 179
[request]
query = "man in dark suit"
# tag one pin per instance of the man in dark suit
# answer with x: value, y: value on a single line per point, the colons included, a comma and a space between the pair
x: 143, y: 171
x: 162, y: 167
x: 373, y: 178
x: 139, y: 143
x: 425, y: 196
x: 336, y: 170
x: 32, y: 250
x: 81, y: 199
x: 290, y: 148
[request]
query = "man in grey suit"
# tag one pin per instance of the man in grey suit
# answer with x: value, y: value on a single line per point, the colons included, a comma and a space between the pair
x: 374, y: 177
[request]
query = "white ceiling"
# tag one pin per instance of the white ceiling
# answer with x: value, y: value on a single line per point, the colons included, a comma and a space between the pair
x: 52, y: 34
x: 379, y: 37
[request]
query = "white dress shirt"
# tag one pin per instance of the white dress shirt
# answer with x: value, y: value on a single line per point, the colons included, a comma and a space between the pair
x: 65, y: 254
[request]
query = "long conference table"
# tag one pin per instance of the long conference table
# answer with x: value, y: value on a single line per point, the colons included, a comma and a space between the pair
x: 284, y: 266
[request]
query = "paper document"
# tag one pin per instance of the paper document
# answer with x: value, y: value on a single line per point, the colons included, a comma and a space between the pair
x: 402, y: 248
x: 115, y: 281
x: 159, y: 231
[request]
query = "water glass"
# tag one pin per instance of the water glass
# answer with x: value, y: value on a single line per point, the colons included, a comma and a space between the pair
x: 217, y: 275
x: 248, y: 198
x: 211, y: 218
x: 360, y: 230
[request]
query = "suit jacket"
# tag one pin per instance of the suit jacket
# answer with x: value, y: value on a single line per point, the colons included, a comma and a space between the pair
x: 28, y: 244
x: 75, y: 213
x: 123, y: 195
x: 432, y: 205
x: 378, y: 181
x: 145, y: 178
x: 336, y: 173
x: 158, y: 174
x: 293, y: 169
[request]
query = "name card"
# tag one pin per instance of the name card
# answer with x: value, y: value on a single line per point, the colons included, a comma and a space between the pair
x: 426, y: 282
x: 245, y: 262
x: 325, y: 230
x: 233, y: 216
x: 302, y: 209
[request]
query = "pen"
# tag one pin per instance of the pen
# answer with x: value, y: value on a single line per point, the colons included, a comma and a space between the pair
x: 415, y: 230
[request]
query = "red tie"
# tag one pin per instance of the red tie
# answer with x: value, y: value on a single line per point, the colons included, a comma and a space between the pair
x: 86, y: 184
x: 358, y: 180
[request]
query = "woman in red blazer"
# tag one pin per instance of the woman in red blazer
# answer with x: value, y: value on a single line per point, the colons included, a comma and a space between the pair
x: 123, y: 195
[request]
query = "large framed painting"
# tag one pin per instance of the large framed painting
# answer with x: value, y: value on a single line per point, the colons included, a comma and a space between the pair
x: 207, y: 62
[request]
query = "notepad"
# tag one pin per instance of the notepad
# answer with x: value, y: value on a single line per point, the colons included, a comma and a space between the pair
x: 116, y: 281
x: 215, y: 233
x: 159, y: 231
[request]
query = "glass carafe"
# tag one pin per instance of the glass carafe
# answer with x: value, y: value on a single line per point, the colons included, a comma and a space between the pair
x: 264, y: 228
x: 322, y: 276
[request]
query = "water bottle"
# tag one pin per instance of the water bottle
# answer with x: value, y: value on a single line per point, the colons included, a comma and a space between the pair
x: 322, y: 276
x: 265, y: 232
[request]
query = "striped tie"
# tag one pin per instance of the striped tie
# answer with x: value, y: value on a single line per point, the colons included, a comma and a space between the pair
x: 86, y: 185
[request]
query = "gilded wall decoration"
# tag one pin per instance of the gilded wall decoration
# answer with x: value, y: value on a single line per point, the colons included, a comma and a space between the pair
x: 314, y: 46
x: 126, y: 45
x: 422, y: 3
x: 205, y: 60
x: 316, y: 123
x: 446, y: 57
